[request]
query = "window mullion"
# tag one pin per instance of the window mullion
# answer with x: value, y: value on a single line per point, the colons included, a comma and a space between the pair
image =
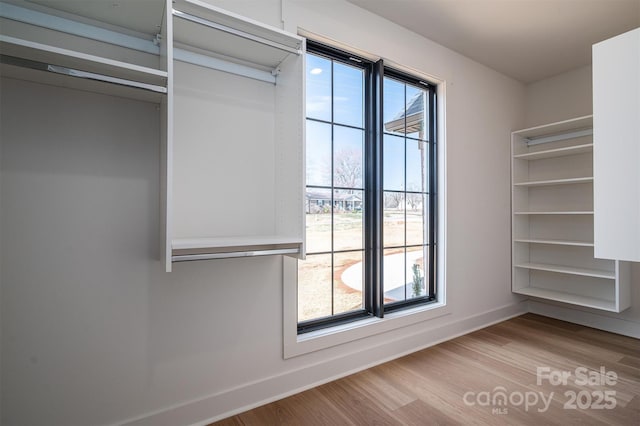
x: 433, y: 210
x: 376, y: 191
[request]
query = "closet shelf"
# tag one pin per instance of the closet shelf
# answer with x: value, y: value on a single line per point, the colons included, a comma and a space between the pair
x: 186, y: 249
x: 566, y: 126
x: 574, y: 299
x: 586, y: 212
x: 550, y: 182
x: 557, y: 152
x: 568, y: 270
x: 201, y: 27
x: 554, y: 242
x: 51, y: 55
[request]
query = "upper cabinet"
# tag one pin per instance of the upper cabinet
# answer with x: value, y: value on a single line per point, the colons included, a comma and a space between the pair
x: 616, y: 139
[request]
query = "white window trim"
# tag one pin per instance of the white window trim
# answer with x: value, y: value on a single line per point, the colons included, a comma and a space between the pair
x: 295, y: 345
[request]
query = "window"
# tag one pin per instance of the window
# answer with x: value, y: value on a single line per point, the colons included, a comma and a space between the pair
x: 370, y: 191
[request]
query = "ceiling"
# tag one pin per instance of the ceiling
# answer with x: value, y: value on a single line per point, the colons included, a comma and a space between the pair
x: 528, y: 40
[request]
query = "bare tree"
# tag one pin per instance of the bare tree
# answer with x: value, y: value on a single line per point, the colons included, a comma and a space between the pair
x: 348, y: 169
x: 414, y: 200
x: 393, y: 200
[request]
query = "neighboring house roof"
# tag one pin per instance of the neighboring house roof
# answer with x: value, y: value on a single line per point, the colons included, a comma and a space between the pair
x: 336, y: 197
x: 414, y: 114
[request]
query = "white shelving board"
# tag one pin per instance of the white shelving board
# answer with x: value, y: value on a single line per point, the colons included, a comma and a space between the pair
x: 558, y: 152
x: 552, y: 222
x: 574, y: 212
x: 573, y: 299
x: 568, y: 270
x: 556, y: 182
x: 186, y: 249
x: 554, y: 242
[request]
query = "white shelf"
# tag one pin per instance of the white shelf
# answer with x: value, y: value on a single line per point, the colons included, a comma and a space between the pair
x: 186, y: 249
x: 556, y: 152
x: 568, y: 270
x: 573, y: 299
x: 556, y: 128
x: 51, y: 55
x: 556, y: 213
x: 555, y: 242
x: 204, y: 28
x: 550, y: 182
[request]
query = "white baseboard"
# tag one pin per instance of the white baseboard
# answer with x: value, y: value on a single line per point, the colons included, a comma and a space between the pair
x: 589, y: 319
x: 251, y: 395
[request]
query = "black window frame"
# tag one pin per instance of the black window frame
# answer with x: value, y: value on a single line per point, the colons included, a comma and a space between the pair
x: 373, y: 300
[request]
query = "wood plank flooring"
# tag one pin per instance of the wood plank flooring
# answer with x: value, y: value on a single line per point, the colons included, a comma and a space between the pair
x: 461, y: 382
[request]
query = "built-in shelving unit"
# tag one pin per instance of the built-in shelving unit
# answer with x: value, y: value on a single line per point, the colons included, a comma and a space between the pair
x: 231, y: 98
x: 234, y: 153
x: 552, y: 221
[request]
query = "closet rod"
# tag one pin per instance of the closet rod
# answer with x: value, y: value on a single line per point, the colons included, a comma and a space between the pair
x: 184, y: 55
x: 235, y: 32
x: 41, y: 66
x: 559, y: 137
x: 190, y: 257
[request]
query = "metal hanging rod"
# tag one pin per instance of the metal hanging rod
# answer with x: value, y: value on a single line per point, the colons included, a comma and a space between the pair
x: 41, y: 66
x: 559, y: 137
x: 206, y: 256
x: 194, y: 58
x: 235, y: 32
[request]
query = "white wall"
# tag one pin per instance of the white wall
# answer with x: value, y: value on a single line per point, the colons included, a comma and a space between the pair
x: 93, y: 330
x: 561, y: 97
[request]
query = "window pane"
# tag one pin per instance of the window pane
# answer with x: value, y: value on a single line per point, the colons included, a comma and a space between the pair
x: 348, y: 273
x: 348, y: 100
x: 318, y: 210
x: 417, y: 166
x: 394, y: 277
x: 314, y: 287
x: 393, y: 219
x: 416, y: 257
x: 318, y: 87
x: 393, y: 106
x: 393, y: 163
x: 318, y: 153
x: 347, y: 219
x: 417, y: 223
x: 416, y: 113
x: 348, y: 157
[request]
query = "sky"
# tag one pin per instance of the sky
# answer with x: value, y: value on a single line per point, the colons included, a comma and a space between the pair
x: 348, y: 110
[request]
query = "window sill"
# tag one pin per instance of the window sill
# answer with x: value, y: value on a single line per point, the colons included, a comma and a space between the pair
x: 344, y: 333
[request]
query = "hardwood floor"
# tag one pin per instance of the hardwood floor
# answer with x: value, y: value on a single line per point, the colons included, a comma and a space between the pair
x: 458, y: 382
